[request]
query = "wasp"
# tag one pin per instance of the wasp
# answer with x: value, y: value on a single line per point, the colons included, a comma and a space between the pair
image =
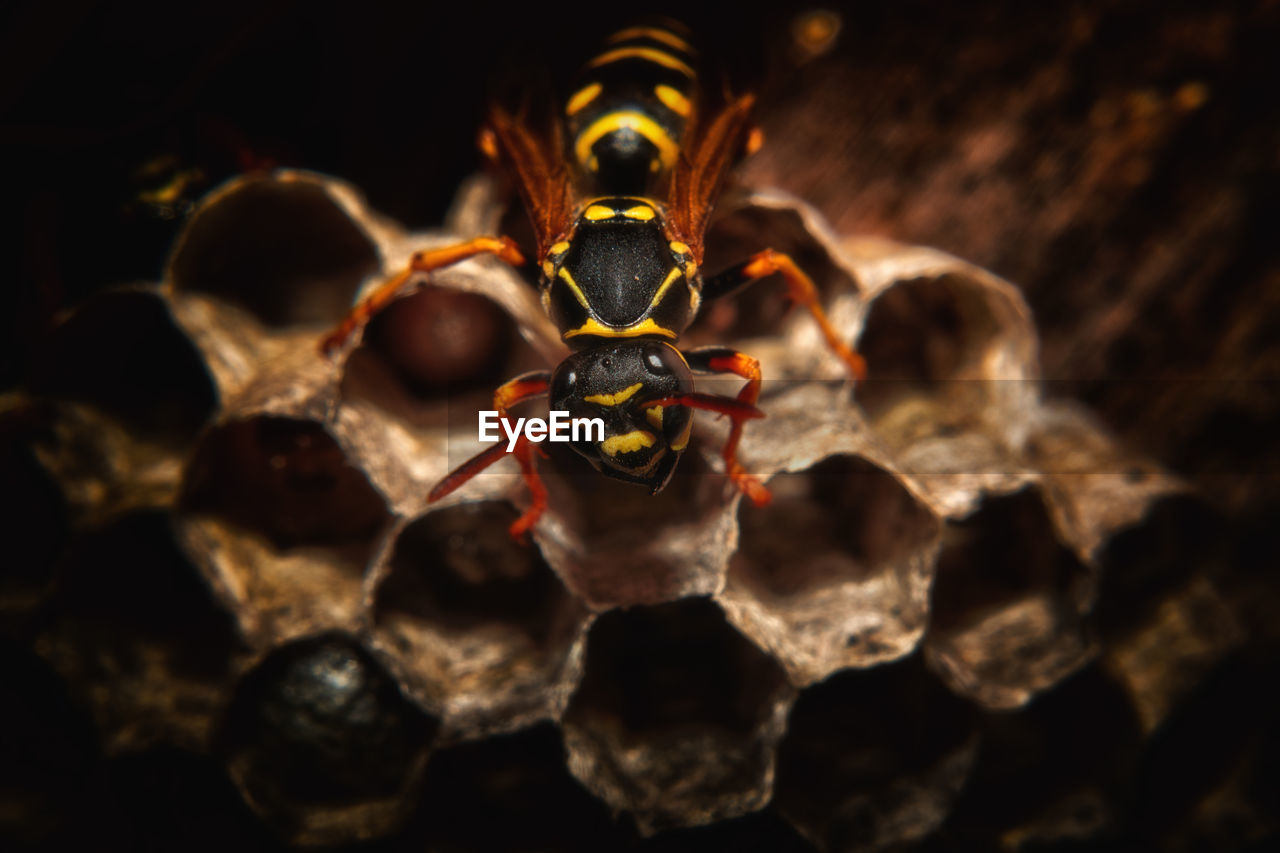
x: 619, y: 191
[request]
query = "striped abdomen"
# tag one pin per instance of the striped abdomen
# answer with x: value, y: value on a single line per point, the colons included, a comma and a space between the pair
x: 628, y: 111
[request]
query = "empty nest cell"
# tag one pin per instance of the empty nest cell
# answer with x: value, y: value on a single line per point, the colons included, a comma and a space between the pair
x: 478, y: 627
x: 836, y: 570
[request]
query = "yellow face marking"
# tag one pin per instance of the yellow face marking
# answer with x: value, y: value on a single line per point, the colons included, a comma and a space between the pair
x: 582, y: 97
x: 654, y: 416
x: 674, y: 100
x: 615, y: 399
x: 573, y: 288
x: 559, y: 248
x: 628, y: 120
x: 628, y: 442
x: 591, y: 327
x: 655, y: 33
x: 643, y: 212
x: 682, y: 440
x: 651, y: 54
x: 671, y: 279
x: 597, y: 212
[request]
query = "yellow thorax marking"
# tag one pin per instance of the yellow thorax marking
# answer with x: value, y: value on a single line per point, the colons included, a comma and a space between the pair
x: 675, y: 101
x: 615, y: 399
x: 631, y: 120
x: 655, y: 33
x: 597, y: 212
x: 628, y: 442
x: 643, y: 212
x: 665, y: 286
x: 582, y: 97
x: 647, y: 327
x: 573, y: 288
x: 680, y: 248
x: 559, y: 248
x: 652, y: 54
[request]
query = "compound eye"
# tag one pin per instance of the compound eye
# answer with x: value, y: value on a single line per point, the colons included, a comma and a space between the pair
x: 655, y: 358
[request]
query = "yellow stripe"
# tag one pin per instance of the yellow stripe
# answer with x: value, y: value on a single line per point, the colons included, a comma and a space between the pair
x: 675, y: 101
x: 665, y: 286
x: 655, y: 33
x: 573, y: 287
x: 628, y: 442
x: 582, y: 97
x: 652, y: 54
x: 615, y: 399
x: 648, y: 327
x: 639, y: 122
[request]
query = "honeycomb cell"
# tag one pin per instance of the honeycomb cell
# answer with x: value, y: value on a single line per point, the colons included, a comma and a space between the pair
x: 510, y: 792
x: 122, y: 354
x: 1009, y: 604
x: 138, y: 631
x: 286, y: 248
x: 876, y: 759
x: 322, y: 744
x: 476, y: 626
x: 677, y: 717
x: 282, y: 524
x: 615, y: 545
x: 835, y: 571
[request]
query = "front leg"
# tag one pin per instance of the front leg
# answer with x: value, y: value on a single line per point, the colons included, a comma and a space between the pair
x: 421, y: 262
x: 726, y: 360
x: 524, y: 387
x: 800, y: 290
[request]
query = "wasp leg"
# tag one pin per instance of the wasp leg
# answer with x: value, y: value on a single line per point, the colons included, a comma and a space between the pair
x: 523, y: 387
x: 421, y: 262
x: 740, y: 410
x: 800, y: 290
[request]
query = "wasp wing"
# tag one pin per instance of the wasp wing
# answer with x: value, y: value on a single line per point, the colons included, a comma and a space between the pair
x: 711, y: 147
x: 541, y: 174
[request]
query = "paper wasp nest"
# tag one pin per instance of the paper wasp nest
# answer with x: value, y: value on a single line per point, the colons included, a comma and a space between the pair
x: 259, y: 577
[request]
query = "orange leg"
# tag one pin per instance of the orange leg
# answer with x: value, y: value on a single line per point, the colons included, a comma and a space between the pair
x: 740, y: 410
x: 421, y: 262
x: 518, y: 390
x: 800, y: 290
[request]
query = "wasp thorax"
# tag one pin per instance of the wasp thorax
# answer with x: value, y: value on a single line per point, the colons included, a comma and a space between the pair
x: 619, y: 383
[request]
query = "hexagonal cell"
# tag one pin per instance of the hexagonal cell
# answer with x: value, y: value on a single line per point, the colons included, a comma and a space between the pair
x: 1047, y: 776
x: 122, y: 353
x: 876, y: 759
x: 34, y: 528
x: 836, y: 570
x: 511, y: 792
x: 282, y: 524
x: 476, y: 626
x: 615, y: 545
x: 944, y: 332
x: 1008, y: 604
x: 677, y: 717
x: 284, y: 247
x: 138, y: 631
x: 322, y: 744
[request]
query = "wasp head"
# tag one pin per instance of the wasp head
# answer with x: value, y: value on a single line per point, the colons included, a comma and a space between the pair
x: 613, y: 382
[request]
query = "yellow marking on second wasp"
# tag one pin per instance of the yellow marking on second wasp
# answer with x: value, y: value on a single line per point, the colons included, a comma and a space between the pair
x: 626, y: 120
x: 655, y: 33
x: 582, y: 97
x: 628, y: 442
x: 615, y: 399
x: 574, y: 289
x: 671, y: 279
x: 674, y: 100
x: 647, y: 327
x: 652, y: 54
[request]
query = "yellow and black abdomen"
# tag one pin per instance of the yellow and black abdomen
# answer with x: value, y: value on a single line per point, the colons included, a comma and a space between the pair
x: 629, y: 108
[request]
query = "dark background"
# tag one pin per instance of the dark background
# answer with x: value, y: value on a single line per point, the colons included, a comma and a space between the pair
x: 1120, y: 161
